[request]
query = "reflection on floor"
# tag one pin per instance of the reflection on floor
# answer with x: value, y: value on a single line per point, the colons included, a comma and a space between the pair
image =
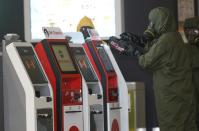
x: 156, y: 129
x: 143, y: 129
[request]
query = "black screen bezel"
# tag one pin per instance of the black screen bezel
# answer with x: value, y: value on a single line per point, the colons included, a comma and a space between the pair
x: 88, y: 62
x: 21, y: 53
x: 67, y: 47
x: 98, y: 45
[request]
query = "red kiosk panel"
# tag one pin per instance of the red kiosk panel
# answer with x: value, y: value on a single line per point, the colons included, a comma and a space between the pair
x: 63, y: 75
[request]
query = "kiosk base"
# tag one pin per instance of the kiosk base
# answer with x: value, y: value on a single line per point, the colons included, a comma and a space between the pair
x: 114, y: 117
x: 73, y: 118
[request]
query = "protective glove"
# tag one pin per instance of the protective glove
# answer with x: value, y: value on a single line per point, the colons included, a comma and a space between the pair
x: 132, y: 50
x: 125, y: 47
x: 127, y: 36
x: 138, y: 40
x: 118, y: 44
x: 137, y: 52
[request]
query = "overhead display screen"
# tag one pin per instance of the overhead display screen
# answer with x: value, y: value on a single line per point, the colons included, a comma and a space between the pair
x: 84, y: 65
x: 63, y: 58
x: 105, y: 59
x: 32, y: 65
x: 66, y: 15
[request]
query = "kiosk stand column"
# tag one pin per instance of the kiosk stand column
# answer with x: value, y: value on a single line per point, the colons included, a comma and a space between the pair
x: 66, y: 80
x: 108, y: 78
x: 28, y: 95
x: 93, y: 105
x: 9, y: 38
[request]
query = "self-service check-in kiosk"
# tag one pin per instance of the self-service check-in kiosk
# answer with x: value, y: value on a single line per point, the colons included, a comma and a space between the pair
x: 108, y: 78
x: 28, y: 104
x: 66, y: 80
x: 122, y: 86
x: 123, y: 90
x: 94, y: 89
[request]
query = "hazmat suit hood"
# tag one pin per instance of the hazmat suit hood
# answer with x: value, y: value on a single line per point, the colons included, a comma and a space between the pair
x: 163, y: 20
x: 192, y: 23
x: 191, y: 29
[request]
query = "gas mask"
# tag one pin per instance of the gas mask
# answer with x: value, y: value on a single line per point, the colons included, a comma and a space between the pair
x: 192, y: 35
x: 150, y: 33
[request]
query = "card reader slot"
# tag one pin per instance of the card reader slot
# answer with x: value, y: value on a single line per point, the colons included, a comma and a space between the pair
x: 72, y: 111
x: 115, y: 108
x: 45, y: 119
x: 44, y: 115
x: 96, y: 112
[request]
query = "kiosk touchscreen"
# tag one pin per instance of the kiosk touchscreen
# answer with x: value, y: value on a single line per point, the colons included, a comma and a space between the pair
x: 108, y: 78
x: 65, y: 78
x: 28, y: 104
x: 95, y: 93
